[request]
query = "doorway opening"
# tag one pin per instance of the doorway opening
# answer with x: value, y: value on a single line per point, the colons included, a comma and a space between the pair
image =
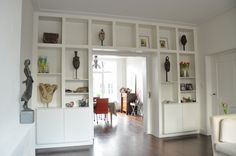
x: 121, y: 80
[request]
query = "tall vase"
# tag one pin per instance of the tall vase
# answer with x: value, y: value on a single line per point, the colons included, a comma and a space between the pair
x: 181, y: 72
x: 187, y: 73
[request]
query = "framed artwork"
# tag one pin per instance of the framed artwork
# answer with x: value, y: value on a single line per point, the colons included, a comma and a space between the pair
x: 144, y: 41
x: 164, y: 43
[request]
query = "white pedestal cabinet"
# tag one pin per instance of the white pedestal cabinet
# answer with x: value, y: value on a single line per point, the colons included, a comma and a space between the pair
x: 57, y: 125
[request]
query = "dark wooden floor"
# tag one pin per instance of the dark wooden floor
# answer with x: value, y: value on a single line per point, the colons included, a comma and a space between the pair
x: 126, y: 138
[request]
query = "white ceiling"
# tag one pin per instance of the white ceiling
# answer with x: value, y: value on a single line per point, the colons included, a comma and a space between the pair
x: 182, y: 11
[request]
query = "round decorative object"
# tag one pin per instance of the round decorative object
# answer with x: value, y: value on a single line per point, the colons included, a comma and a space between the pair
x: 76, y: 63
x: 167, y: 67
x: 101, y: 36
x: 183, y: 41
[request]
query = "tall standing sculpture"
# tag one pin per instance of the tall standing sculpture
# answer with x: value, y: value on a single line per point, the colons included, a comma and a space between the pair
x: 167, y: 67
x: 27, y: 115
x: 76, y: 63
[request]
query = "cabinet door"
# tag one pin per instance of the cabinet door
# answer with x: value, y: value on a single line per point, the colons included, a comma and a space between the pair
x: 78, y: 125
x: 172, y: 118
x: 50, y: 126
x: 190, y: 116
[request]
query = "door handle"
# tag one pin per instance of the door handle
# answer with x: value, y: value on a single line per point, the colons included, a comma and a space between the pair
x: 213, y: 93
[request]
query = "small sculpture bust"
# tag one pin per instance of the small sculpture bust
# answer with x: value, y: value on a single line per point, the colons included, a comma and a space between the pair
x: 183, y: 40
x: 101, y: 36
x: 29, y: 85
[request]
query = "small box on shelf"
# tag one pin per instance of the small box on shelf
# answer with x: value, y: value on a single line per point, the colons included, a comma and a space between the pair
x: 50, y: 25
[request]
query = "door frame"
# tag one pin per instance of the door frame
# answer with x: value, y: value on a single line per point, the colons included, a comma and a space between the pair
x: 146, y: 86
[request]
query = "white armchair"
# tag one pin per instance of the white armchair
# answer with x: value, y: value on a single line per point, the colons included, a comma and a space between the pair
x: 224, y: 135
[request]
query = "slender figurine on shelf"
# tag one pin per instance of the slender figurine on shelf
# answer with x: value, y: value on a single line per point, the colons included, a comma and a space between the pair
x: 96, y: 65
x: 101, y: 36
x: 167, y: 67
x: 183, y: 41
x: 76, y: 63
x: 29, y: 85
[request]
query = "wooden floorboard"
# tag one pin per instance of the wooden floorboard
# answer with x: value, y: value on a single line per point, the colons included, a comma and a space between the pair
x: 127, y: 138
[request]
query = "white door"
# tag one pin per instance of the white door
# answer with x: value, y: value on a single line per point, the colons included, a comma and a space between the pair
x: 225, y: 67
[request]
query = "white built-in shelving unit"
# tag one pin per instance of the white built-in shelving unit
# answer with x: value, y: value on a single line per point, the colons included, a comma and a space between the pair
x: 58, y: 125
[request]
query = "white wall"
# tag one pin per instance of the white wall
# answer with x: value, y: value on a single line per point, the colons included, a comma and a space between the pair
x: 26, y: 39
x: 214, y: 36
x: 15, y: 139
x: 10, y: 21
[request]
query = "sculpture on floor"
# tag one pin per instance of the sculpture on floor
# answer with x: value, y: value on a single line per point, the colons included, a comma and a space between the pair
x: 29, y: 85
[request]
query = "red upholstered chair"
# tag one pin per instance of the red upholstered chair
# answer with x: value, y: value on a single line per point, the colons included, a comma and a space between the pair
x: 101, y: 107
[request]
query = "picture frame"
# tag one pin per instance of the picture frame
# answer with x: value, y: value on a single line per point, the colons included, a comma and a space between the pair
x: 164, y: 43
x: 182, y: 86
x: 144, y: 41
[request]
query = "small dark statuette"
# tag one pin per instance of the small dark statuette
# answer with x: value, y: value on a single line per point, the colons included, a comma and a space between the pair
x: 183, y: 41
x: 101, y: 36
x: 76, y: 63
x: 167, y: 67
x: 29, y: 85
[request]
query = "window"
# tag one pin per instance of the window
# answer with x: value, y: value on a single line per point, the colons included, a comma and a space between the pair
x: 105, y: 80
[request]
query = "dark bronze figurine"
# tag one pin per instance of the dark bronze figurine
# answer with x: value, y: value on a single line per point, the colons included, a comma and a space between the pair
x: 183, y: 41
x: 29, y: 85
x: 76, y: 63
x: 101, y: 36
x: 167, y: 67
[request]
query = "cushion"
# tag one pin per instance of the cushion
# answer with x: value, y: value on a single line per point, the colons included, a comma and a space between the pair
x: 228, y: 131
x: 226, y: 148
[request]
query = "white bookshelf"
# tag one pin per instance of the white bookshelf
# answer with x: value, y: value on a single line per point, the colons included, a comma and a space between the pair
x: 80, y: 33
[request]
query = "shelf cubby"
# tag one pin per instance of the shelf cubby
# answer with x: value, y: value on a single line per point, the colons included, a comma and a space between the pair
x: 191, y: 59
x: 172, y: 74
x: 167, y: 34
x: 56, y: 100
x: 190, y: 39
x: 53, y: 58
x: 76, y: 31
x: 82, y: 72
x: 48, y: 24
x: 125, y: 35
x: 149, y: 32
x: 107, y: 28
x: 169, y: 92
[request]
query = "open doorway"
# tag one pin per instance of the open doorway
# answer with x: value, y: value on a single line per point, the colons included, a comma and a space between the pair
x: 121, y: 79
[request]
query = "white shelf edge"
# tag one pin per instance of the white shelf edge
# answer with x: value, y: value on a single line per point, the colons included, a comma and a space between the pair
x: 76, y: 79
x: 188, y: 91
x: 76, y: 46
x: 49, y: 45
x: 48, y: 74
x: 169, y: 82
x: 73, y: 94
x: 187, y: 52
x: 187, y: 77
